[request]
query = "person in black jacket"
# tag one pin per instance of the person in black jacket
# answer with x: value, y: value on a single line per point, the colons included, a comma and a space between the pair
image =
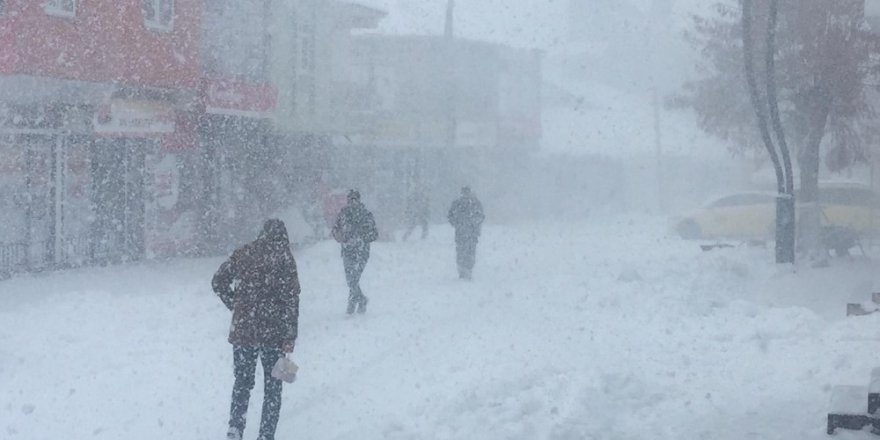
x: 466, y: 216
x: 265, y: 317
x: 355, y: 229
x: 418, y: 212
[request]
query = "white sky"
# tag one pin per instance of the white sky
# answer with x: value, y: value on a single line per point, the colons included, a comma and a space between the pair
x: 635, y: 45
x: 534, y: 23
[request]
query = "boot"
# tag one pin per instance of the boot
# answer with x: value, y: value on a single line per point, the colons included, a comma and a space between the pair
x: 362, y: 305
x: 233, y: 434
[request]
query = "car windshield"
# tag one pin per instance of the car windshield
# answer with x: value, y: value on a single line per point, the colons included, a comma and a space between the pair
x: 849, y: 196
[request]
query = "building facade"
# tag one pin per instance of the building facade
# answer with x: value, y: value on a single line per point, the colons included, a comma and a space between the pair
x: 134, y: 129
x: 97, y: 100
x: 317, y: 99
x: 442, y: 113
x: 240, y: 160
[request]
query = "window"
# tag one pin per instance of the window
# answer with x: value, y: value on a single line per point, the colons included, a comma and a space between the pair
x: 307, y: 43
x: 312, y: 98
x: 848, y: 197
x: 294, y: 65
x: 61, y: 8
x: 306, y: 53
x: 306, y: 86
x: 159, y: 14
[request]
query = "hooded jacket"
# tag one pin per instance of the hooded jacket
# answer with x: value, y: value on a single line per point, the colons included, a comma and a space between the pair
x: 265, y: 299
x: 355, y: 226
x: 466, y: 216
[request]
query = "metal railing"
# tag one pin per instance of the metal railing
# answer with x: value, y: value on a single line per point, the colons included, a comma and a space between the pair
x: 13, y: 257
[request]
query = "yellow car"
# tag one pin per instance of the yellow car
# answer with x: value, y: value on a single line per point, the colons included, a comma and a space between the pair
x: 853, y: 207
x: 751, y: 216
x: 744, y: 216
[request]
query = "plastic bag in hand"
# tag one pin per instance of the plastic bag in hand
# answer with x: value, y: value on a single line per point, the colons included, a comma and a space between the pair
x: 285, y: 369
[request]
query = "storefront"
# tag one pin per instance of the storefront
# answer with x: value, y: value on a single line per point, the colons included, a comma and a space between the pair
x: 96, y: 146
x: 25, y: 200
x: 41, y: 186
x: 241, y: 156
x: 99, y: 183
x: 140, y: 165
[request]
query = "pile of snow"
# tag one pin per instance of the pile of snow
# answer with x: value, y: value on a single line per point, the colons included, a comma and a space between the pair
x: 570, y: 331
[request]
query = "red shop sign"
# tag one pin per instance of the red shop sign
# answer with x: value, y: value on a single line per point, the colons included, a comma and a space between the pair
x: 239, y: 98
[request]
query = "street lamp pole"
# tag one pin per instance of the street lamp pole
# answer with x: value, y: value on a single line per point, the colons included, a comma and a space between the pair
x: 449, y: 46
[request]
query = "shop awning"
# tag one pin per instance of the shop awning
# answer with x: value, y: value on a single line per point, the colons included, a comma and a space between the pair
x: 27, y: 89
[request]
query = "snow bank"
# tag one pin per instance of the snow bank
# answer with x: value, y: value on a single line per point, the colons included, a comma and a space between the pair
x: 549, y: 342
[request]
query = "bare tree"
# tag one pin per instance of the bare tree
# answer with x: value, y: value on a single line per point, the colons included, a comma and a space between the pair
x: 819, y: 62
x: 769, y: 110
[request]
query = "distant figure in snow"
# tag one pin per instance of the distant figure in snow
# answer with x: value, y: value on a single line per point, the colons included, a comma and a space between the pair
x: 355, y: 229
x: 265, y: 316
x: 466, y: 216
x: 418, y: 212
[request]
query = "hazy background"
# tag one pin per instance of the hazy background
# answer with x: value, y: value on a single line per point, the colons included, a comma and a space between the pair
x: 605, y: 63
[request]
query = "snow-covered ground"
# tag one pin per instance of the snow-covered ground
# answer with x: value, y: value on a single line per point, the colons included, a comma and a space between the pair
x: 602, y: 330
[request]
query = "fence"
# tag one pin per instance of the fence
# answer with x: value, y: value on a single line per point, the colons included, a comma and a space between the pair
x: 13, y: 257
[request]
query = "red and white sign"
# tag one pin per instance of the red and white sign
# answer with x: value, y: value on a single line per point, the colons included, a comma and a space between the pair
x: 239, y: 98
x: 134, y: 118
x: 166, y: 181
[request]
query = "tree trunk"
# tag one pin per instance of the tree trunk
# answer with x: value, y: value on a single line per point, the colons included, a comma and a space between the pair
x: 766, y: 112
x: 809, y: 159
x: 785, y: 203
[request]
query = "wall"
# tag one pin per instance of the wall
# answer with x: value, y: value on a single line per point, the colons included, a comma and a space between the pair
x: 107, y: 41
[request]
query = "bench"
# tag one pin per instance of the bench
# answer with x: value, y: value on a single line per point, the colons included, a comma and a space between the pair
x: 861, y: 309
x: 856, y: 407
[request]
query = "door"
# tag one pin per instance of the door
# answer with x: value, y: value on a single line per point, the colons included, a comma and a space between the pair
x: 73, y: 203
x: 118, y: 199
x: 13, y: 203
x: 40, y: 205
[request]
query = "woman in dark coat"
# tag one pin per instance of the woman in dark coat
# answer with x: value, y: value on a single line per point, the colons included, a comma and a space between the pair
x: 265, y: 313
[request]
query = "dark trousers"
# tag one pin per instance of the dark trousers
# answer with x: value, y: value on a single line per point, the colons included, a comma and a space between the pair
x: 354, y: 259
x: 245, y: 367
x: 466, y: 255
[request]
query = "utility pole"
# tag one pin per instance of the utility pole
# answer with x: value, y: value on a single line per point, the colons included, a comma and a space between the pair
x: 449, y: 46
x: 447, y: 70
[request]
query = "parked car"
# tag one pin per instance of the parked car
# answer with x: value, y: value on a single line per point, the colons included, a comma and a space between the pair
x: 745, y: 216
x: 850, y: 206
x: 750, y: 216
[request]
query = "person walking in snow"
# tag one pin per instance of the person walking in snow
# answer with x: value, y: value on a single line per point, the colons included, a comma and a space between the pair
x: 355, y: 229
x: 418, y: 212
x: 265, y: 315
x: 466, y: 216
